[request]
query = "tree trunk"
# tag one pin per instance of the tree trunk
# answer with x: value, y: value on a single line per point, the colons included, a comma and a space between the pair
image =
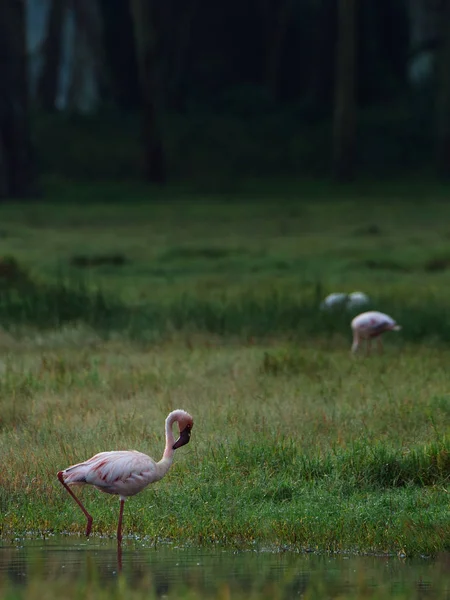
x: 87, y: 80
x: 277, y: 19
x: 16, y: 173
x: 120, y: 53
x: 276, y: 15
x: 146, y: 51
x: 344, y: 121
x: 443, y: 94
x: 323, y: 68
x: 177, y: 50
x: 47, y: 86
x: 423, y: 23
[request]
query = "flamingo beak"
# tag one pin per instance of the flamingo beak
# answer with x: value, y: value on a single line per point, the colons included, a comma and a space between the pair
x: 184, y: 438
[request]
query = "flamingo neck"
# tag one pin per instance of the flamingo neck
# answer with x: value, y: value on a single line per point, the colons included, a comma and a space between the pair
x: 170, y: 441
x: 164, y: 464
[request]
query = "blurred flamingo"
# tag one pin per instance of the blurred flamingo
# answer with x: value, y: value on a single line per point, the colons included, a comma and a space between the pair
x: 342, y: 301
x: 357, y: 300
x: 369, y: 325
x: 336, y: 300
x: 126, y: 472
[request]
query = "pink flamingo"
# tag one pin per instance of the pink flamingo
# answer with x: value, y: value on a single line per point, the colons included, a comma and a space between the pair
x: 126, y: 472
x: 369, y: 325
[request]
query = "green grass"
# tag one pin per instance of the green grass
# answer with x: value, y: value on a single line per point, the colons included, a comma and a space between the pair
x: 212, y: 306
x: 245, y: 267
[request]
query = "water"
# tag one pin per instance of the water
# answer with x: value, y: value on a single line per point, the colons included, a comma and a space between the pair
x: 206, y: 570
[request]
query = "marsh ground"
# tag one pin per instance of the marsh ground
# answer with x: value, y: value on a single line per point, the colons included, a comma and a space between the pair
x: 209, y: 303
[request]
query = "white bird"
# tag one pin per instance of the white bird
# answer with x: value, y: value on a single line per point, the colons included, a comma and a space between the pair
x: 334, y: 301
x: 369, y: 325
x: 341, y: 301
x: 357, y: 300
x: 126, y: 472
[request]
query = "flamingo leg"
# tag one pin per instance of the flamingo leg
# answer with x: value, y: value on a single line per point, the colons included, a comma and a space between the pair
x: 119, y: 525
x: 78, y: 501
x: 368, y: 346
x: 380, y: 345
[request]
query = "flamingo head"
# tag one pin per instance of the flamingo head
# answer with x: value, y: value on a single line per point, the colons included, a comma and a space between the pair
x: 185, y: 424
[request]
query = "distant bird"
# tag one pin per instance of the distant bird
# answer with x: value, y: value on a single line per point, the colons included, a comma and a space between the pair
x: 369, y: 325
x: 357, y: 300
x: 337, y: 300
x: 342, y: 301
x: 126, y: 472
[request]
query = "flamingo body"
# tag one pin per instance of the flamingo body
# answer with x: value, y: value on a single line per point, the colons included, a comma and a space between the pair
x: 369, y: 325
x: 357, y: 300
x: 126, y: 472
x: 334, y: 301
x: 121, y: 472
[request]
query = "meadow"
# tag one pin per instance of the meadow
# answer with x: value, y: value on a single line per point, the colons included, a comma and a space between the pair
x: 119, y: 303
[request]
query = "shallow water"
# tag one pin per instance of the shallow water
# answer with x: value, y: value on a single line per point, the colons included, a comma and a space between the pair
x: 205, y: 570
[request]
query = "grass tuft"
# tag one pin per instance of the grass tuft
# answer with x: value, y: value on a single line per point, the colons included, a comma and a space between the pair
x: 294, y: 362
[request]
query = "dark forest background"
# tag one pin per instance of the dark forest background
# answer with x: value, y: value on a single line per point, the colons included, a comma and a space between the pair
x: 194, y: 90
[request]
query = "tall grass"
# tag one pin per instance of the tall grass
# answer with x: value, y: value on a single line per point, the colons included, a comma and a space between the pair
x: 246, y: 313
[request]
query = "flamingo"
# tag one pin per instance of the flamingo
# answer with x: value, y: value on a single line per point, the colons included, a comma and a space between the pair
x: 336, y: 300
x: 371, y: 324
x: 126, y: 472
x: 343, y: 301
x: 357, y: 300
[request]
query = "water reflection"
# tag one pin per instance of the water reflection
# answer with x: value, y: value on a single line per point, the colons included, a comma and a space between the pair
x: 169, y: 567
